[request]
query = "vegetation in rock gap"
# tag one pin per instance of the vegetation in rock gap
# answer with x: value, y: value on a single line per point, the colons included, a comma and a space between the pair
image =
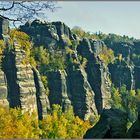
x: 107, y: 55
x: 127, y: 101
x: 23, y: 41
x: 2, y: 46
x: 14, y: 124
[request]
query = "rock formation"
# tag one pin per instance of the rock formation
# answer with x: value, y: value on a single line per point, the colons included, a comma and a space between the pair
x: 97, y: 72
x: 112, y: 124
x: 18, y: 84
x: 3, y: 90
x: 87, y: 88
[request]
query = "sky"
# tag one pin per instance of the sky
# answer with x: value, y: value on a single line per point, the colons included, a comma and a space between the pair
x: 121, y: 18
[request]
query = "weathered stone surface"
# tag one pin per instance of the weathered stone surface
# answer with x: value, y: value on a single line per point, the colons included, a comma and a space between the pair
x: 3, y: 90
x: 42, y: 99
x: 49, y: 34
x: 20, y: 80
x: 123, y: 74
x: 58, y: 89
x: 42, y: 33
x: 112, y: 124
x: 4, y: 27
x: 82, y: 95
x: 97, y: 72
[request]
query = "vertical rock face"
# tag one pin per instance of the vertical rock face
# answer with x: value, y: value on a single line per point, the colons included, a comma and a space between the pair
x: 58, y: 89
x: 4, y: 27
x: 42, y: 100
x: 121, y: 74
x: 112, y: 124
x: 81, y: 87
x: 21, y: 87
x: 25, y: 88
x: 3, y: 90
x: 97, y: 72
x: 82, y: 96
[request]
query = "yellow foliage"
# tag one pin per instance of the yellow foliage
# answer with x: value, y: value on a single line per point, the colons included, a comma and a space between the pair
x: 120, y: 57
x: 68, y: 50
x: 33, y: 62
x: 63, y: 125
x: 75, y: 61
x: 107, y: 55
x: 22, y: 39
x: 14, y: 124
x: 1, y: 50
x: 45, y: 82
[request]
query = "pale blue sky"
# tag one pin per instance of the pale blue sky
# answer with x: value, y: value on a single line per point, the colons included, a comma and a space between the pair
x: 108, y: 17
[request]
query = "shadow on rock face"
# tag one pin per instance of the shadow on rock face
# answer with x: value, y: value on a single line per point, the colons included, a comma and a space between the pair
x: 112, y: 124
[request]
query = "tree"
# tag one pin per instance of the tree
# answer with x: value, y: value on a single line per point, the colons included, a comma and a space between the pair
x: 63, y: 125
x: 23, y: 11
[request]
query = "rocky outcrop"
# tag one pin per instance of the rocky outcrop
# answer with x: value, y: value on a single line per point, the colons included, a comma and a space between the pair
x: 122, y: 74
x: 20, y: 84
x: 112, y: 124
x: 70, y: 88
x: 134, y: 131
x: 4, y: 27
x: 97, y: 72
x: 3, y: 90
x: 58, y: 89
x: 82, y: 95
x: 48, y: 34
x: 20, y: 80
x: 99, y: 76
x: 25, y: 88
x: 43, y: 103
x: 92, y: 85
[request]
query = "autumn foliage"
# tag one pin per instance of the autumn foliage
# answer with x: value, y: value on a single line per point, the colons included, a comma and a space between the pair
x: 15, y: 124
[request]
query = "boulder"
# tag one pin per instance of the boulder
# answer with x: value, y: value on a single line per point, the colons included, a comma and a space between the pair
x: 112, y: 124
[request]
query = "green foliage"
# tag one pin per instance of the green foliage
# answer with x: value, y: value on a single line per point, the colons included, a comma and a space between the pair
x: 116, y: 98
x: 117, y: 38
x: 93, y: 119
x: 82, y: 34
x: 127, y: 101
x: 21, y: 38
x: 47, y: 61
x: 45, y: 83
x: 79, y: 31
x: 102, y: 36
x: 56, y: 61
x: 23, y: 41
x: 66, y: 40
x: 107, y: 55
x: 40, y: 55
x: 74, y: 44
x: 136, y: 59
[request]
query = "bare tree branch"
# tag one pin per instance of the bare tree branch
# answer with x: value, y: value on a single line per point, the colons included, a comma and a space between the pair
x: 23, y: 11
x: 6, y: 9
